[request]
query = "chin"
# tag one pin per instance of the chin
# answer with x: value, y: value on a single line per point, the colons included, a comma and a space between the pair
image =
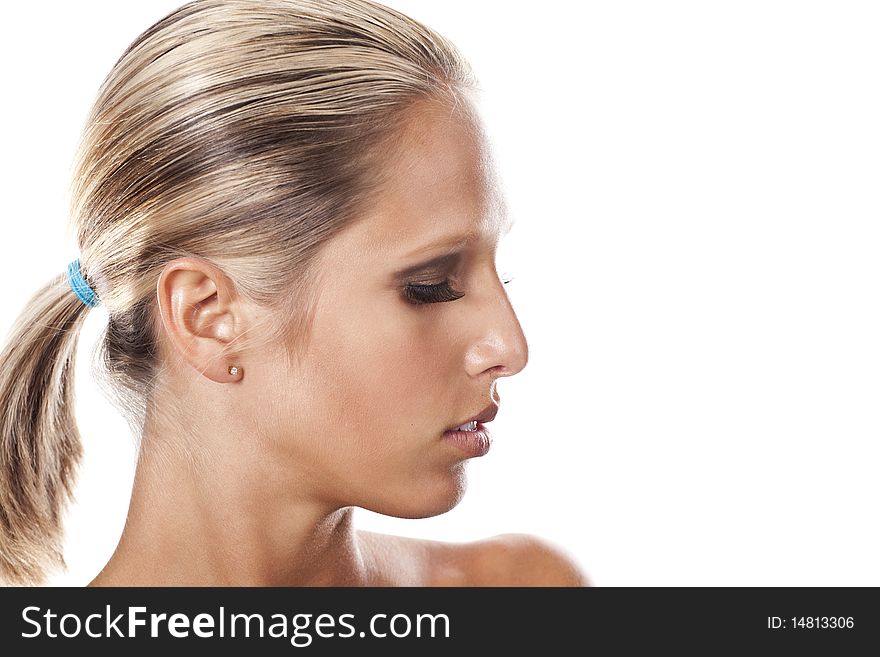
x: 426, y: 499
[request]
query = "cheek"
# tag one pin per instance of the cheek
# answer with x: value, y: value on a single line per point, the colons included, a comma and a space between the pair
x: 371, y: 399
x: 380, y: 372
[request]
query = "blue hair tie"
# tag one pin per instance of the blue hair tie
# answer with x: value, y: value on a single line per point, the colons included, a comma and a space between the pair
x: 79, y: 285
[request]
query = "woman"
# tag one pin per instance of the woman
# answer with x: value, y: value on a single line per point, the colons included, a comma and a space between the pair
x: 289, y: 210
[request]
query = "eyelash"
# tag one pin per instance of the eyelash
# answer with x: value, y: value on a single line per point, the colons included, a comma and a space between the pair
x: 420, y: 293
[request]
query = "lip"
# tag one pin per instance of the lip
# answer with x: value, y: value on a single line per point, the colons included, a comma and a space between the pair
x: 483, y: 417
x: 471, y: 443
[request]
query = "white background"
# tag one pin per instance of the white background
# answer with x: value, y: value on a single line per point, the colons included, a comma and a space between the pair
x: 695, y: 262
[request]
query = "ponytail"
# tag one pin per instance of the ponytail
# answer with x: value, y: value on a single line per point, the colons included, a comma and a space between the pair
x: 39, y: 441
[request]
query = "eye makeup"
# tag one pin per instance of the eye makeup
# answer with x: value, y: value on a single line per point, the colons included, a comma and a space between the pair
x: 444, y: 262
x: 417, y: 290
x: 420, y: 293
x: 416, y: 285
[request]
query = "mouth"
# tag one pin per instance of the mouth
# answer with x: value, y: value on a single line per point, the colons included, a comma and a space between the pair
x: 471, y: 436
x: 483, y: 417
x: 471, y: 443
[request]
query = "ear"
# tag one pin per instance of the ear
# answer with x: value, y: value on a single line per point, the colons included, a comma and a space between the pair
x: 202, y: 316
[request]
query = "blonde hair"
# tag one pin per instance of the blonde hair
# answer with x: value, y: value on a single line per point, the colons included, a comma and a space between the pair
x: 243, y: 132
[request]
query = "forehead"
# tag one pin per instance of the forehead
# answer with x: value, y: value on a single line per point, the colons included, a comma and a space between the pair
x: 442, y: 183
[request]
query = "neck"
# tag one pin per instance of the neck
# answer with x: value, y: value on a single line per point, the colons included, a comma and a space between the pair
x: 228, y: 518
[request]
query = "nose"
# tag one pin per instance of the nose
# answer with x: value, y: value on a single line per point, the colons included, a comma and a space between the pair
x: 499, y: 344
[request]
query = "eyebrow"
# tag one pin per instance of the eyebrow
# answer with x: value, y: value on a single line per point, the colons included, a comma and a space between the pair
x: 454, y: 242
x: 438, y: 263
x: 452, y: 246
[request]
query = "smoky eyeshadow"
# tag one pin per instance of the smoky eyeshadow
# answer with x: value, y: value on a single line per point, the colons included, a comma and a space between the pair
x: 435, y: 266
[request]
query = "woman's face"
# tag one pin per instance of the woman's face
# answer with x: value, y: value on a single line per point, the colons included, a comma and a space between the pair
x: 362, y: 415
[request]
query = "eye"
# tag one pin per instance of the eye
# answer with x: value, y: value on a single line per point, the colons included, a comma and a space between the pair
x: 420, y: 293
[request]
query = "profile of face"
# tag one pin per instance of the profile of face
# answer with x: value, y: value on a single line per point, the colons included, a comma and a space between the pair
x: 360, y: 419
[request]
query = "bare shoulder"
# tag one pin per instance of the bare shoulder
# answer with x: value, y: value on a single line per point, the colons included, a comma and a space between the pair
x: 502, y: 560
x: 406, y: 561
x: 526, y: 560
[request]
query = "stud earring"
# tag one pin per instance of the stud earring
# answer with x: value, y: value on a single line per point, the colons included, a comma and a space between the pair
x: 234, y: 370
